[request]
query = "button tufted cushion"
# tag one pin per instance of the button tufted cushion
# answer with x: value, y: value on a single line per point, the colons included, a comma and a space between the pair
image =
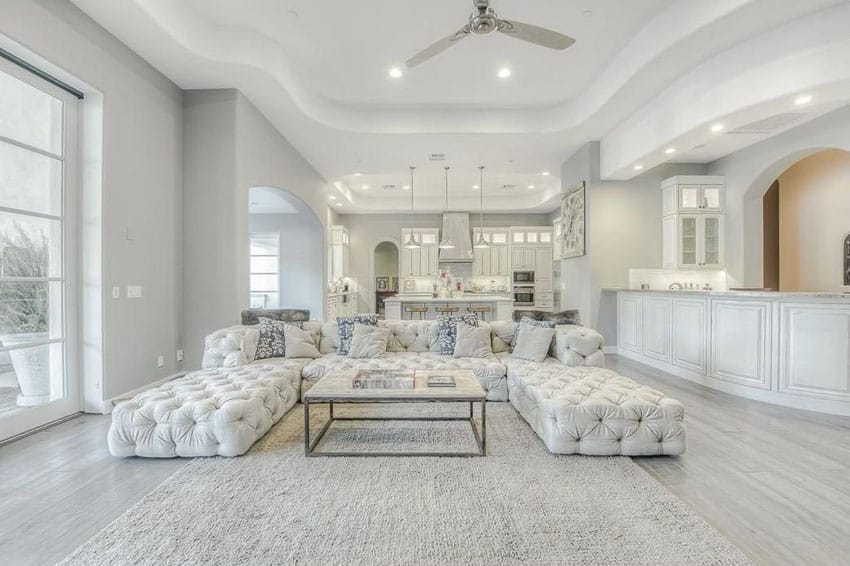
x: 206, y: 413
x: 490, y: 371
x: 594, y: 411
x: 579, y: 346
x: 230, y: 347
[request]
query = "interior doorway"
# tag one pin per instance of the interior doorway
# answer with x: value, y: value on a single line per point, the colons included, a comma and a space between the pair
x: 386, y: 257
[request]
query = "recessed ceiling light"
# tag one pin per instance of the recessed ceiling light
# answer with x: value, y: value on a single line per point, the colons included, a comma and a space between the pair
x: 530, y: 186
x: 406, y: 187
x: 638, y: 167
x: 357, y: 174
x: 475, y: 187
x: 803, y: 99
x: 717, y: 128
x: 365, y: 187
x: 395, y: 72
x: 670, y: 150
x: 504, y: 73
x: 545, y: 173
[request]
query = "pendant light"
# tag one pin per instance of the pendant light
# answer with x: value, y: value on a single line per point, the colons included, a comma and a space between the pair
x: 446, y: 243
x: 481, y: 241
x: 411, y: 243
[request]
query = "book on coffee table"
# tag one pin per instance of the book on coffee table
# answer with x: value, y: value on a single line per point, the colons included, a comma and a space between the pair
x: 438, y: 380
x: 383, y: 379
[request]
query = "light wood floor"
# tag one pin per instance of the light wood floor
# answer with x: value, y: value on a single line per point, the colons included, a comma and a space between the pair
x: 775, y: 481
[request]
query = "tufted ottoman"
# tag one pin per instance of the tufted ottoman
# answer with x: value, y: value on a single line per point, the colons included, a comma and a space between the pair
x: 594, y: 411
x: 210, y: 412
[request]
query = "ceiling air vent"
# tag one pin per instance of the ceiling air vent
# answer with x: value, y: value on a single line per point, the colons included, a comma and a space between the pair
x: 390, y: 187
x: 769, y: 125
x: 509, y: 187
x: 436, y: 156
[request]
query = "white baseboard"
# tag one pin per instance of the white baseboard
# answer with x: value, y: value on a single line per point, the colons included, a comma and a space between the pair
x: 108, y: 404
x: 609, y: 349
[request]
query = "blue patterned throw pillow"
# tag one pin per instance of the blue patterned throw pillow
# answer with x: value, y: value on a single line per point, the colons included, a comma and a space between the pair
x: 530, y: 322
x: 447, y: 331
x: 345, y: 329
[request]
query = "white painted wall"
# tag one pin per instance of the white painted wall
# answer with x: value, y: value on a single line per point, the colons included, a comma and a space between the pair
x: 229, y: 148
x: 814, y: 219
x: 141, y: 180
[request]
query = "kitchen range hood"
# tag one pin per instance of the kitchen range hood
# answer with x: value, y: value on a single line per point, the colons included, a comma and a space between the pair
x: 456, y: 229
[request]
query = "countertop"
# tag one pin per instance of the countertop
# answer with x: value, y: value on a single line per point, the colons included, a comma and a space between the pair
x: 760, y: 294
x: 463, y: 299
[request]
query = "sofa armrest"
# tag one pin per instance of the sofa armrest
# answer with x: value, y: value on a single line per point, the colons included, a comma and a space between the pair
x: 578, y: 346
x: 230, y: 347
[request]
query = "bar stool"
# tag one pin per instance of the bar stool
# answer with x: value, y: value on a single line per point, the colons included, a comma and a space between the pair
x: 446, y: 309
x: 481, y: 311
x: 417, y: 310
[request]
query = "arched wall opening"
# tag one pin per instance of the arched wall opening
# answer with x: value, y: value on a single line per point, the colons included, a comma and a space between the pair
x: 386, y: 268
x: 286, y: 252
x: 805, y: 220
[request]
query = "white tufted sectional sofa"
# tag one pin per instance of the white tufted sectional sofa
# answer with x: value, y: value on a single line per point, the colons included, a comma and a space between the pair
x: 570, y: 401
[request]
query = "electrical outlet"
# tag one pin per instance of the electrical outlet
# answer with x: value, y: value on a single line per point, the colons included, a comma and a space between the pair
x: 160, y: 361
x: 179, y: 355
x: 134, y: 291
x: 116, y: 292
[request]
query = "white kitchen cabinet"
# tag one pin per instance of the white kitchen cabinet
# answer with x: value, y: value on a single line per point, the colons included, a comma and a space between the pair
x: 492, y: 261
x: 629, y: 320
x: 543, y: 269
x: 689, y: 319
x: 421, y: 261
x: 339, y: 252
x: 741, y: 342
x: 531, y: 235
x: 655, y: 324
x: 523, y: 257
x: 692, y: 241
x: 693, y: 193
x: 815, y: 342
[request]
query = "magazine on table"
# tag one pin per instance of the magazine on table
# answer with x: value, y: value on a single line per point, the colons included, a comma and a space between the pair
x: 441, y: 380
x: 383, y: 379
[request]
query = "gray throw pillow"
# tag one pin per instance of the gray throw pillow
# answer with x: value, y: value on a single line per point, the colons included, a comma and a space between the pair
x: 345, y: 329
x: 447, y: 331
x: 472, y: 341
x: 533, y: 342
x: 299, y: 343
x: 272, y: 341
x: 369, y: 341
x: 532, y: 322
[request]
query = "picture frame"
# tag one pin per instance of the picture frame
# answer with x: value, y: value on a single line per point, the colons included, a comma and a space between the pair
x: 573, y: 242
x: 382, y: 283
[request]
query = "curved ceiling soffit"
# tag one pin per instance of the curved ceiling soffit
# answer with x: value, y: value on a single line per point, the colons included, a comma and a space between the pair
x: 506, y: 202
x: 808, y: 54
x: 250, y: 51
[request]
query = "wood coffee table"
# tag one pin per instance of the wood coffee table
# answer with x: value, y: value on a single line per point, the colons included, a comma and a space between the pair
x: 337, y: 388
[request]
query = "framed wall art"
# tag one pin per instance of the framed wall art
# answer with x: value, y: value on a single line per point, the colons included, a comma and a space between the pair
x: 573, y: 222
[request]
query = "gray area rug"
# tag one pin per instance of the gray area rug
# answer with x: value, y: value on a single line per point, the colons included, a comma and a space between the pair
x: 519, y: 505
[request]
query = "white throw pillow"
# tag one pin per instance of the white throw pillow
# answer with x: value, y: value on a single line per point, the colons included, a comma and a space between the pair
x: 369, y: 341
x: 472, y: 341
x: 532, y: 342
x: 299, y: 343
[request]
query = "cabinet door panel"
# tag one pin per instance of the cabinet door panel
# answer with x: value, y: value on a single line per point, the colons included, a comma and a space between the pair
x: 741, y: 342
x: 656, y: 327
x: 668, y: 237
x: 689, y: 197
x: 689, y: 334
x: 688, y: 241
x: 711, y: 241
x: 629, y: 322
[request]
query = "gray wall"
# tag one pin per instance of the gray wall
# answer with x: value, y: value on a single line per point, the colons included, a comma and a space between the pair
x: 229, y: 148
x: 141, y: 180
x: 301, y: 253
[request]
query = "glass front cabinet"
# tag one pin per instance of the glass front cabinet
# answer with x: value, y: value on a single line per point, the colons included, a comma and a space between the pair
x: 692, y: 224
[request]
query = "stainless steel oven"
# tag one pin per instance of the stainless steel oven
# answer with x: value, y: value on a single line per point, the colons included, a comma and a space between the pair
x: 521, y: 277
x: 523, y: 295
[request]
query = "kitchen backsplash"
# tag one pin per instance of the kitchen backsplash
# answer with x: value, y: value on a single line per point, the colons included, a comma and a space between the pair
x: 663, y: 278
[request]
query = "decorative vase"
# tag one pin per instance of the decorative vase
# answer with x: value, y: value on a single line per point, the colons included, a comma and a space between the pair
x: 32, y: 368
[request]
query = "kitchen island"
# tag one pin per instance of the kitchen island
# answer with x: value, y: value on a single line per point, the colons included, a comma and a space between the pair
x: 501, y: 308
x: 787, y: 348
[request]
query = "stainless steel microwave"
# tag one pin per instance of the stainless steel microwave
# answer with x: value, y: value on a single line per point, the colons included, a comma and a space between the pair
x: 523, y: 296
x: 523, y: 277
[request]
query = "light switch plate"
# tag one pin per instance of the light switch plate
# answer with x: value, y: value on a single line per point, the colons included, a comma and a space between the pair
x: 179, y: 355
x: 134, y: 291
x: 160, y: 361
x: 116, y: 292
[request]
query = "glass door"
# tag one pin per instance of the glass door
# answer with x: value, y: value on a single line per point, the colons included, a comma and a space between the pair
x: 38, y: 253
x: 688, y: 241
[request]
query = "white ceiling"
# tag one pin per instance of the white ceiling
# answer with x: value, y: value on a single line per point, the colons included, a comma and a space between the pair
x: 644, y: 75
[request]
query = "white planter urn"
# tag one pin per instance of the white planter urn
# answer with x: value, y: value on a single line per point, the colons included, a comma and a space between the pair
x: 32, y: 368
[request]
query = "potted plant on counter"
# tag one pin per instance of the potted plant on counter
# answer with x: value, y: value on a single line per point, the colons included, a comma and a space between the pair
x: 24, y: 312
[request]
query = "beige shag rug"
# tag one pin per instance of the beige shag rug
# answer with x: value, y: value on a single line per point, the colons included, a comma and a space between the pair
x: 518, y: 505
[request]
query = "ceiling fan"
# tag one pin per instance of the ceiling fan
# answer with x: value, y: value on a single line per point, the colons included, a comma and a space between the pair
x: 483, y: 21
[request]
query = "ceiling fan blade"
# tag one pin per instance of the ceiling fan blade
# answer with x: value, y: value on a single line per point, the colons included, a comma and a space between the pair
x: 535, y: 34
x: 438, y: 47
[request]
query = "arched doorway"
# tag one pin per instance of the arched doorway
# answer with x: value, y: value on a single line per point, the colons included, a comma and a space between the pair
x: 286, y: 267
x: 386, y: 259
x: 806, y: 218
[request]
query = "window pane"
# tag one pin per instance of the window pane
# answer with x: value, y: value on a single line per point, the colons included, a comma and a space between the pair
x: 30, y: 181
x: 500, y: 238
x: 29, y: 246
x: 264, y: 264
x: 264, y: 244
x: 264, y: 301
x: 263, y: 283
x: 30, y: 116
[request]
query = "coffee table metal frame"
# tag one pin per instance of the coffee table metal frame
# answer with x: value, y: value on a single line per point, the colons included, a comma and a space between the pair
x: 480, y: 438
